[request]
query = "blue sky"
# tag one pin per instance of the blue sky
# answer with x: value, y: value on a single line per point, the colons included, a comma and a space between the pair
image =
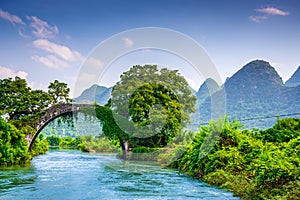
x: 47, y: 40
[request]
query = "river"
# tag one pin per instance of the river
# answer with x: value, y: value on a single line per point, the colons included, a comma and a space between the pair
x: 75, y: 175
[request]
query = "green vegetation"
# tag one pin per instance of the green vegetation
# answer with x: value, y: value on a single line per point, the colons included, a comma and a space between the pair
x: 150, y: 105
x: 99, y: 144
x: 59, y: 92
x: 63, y: 142
x: 18, y: 100
x: 13, y: 146
x: 20, y: 109
x: 87, y: 143
x: 252, y: 164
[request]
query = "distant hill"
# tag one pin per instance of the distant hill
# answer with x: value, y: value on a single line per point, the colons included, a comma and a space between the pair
x: 97, y: 93
x: 255, y: 91
x: 209, y: 87
x: 294, y: 80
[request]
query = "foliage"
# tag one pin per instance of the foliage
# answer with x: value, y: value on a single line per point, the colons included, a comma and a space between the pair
x: 144, y: 111
x: 40, y: 145
x: 97, y: 145
x: 13, y: 147
x: 86, y: 143
x: 59, y: 92
x: 110, y: 128
x: 23, y: 107
x: 179, y: 145
x: 283, y: 131
x: 18, y: 100
x: 252, y: 165
x: 53, y: 140
x: 151, y: 105
x: 63, y: 142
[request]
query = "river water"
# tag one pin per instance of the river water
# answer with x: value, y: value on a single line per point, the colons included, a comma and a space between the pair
x: 77, y: 175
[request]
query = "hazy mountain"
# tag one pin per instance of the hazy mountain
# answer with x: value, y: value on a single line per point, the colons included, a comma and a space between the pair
x: 255, y: 91
x: 294, y: 80
x: 209, y: 87
x: 97, y: 93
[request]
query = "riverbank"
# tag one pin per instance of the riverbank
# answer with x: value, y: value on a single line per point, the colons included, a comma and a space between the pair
x: 250, y: 163
x: 14, y: 147
x: 86, y: 143
x: 253, y: 164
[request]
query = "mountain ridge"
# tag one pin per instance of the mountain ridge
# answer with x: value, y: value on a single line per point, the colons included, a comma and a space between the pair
x: 294, y: 80
x: 100, y: 94
x: 256, y: 90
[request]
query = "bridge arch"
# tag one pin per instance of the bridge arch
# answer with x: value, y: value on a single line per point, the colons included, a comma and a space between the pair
x: 52, y: 113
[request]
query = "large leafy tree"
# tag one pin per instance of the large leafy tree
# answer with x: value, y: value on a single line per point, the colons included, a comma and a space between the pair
x: 17, y: 99
x: 155, y: 103
x: 59, y: 92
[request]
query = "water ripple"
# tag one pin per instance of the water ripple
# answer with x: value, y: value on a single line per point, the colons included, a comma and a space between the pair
x: 77, y: 175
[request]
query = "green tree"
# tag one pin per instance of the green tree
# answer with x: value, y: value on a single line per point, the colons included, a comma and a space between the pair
x: 151, y: 105
x: 17, y: 99
x: 59, y: 92
x: 13, y: 147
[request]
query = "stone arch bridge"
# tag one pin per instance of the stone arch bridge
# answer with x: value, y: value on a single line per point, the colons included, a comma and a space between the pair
x: 52, y: 113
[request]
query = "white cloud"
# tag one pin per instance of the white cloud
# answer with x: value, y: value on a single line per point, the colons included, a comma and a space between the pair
x: 128, y: 42
x: 272, y: 11
x: 258, y: 19
x: 268, y: 11
x: 42, y: 29
x: 10, y: 73
x: 62, y: 51
x: 51, y: 61
x: 11, y: 18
